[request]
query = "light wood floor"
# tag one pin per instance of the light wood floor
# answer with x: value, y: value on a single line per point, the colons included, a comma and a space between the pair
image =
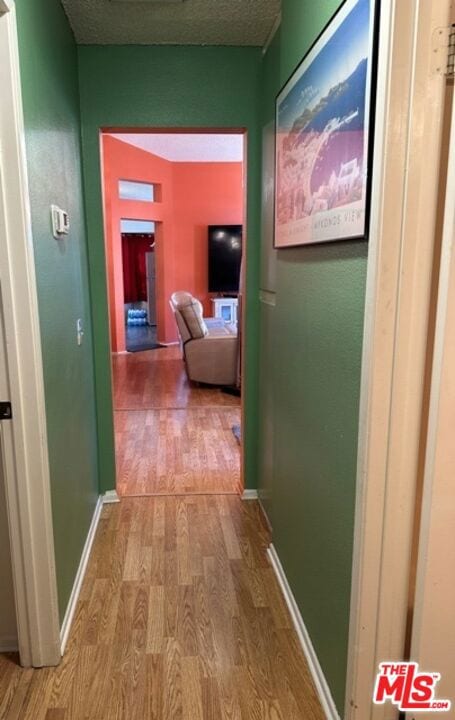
x: 177, y: 451
x: 157, y: 379
x: 172, y: 436
x: 180, y: 618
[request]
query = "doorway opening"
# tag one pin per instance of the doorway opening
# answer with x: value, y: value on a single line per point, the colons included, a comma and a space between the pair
x: 174, y: 219
x: 139, y: 283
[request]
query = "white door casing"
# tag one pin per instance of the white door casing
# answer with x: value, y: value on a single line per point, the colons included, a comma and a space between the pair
x: 8, y: 625
x: 5, y: 6
x: 433, y: 631
x: 24, y: 437
x: 401, y: 260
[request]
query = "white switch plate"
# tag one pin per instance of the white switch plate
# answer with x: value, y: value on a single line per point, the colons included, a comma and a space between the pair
x: 79, y: 331
x: 60, y: 222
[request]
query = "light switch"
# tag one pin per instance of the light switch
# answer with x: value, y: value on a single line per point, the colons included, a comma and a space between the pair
x: 60, y: 222
x: 79, y: 331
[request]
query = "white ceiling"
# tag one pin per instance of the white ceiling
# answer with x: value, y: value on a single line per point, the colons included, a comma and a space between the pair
x: 191, y: 22
x: 188, y: 147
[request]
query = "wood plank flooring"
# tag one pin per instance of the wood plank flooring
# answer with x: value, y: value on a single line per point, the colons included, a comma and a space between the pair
x: 171, y: 435
x: 180, y: 618
x: 177, y: 452
x: 157, y: 379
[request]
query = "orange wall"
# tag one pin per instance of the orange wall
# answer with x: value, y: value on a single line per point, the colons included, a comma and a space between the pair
x: 204, y: 194
x: 193, y: 195
x: 125, y: 162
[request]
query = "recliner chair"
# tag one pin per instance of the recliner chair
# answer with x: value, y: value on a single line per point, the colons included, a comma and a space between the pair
x: 210, y: 346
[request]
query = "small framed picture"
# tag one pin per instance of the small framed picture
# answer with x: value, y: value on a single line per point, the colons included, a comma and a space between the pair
x: 324, y: 126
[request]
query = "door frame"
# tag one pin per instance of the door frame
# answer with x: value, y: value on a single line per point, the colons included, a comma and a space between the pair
x: 151, y: 252
x: 243, y: 291
x: 27, y: 477
x: 403, y: 252
x: 433, y: 628
x: 130, y: 238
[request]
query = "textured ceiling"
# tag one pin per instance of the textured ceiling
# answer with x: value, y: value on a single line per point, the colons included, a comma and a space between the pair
x: 192, y: 22
x: 188, y: 147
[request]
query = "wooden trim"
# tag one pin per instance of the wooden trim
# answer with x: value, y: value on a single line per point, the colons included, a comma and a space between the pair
x: 249, y: 494
x: 110, y: 497
x: 433, y: 628
x: 398, y: 299
x: 265, y: 516
x: 25, y: 437
x: 323, y: 690
x: 78, y: 580
x: 243, y: 299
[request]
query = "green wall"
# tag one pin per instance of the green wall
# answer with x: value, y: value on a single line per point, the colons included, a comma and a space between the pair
x: 304, y: 335
x: 311, y: 345
x: 160, y: 87
x: 48, y: 60
x: 270, y: 82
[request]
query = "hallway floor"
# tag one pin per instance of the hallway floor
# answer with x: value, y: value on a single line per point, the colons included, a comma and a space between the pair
x: 172, y: 436
x: 180, y: 617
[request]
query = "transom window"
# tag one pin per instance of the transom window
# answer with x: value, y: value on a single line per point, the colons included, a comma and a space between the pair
x: 129, y: 190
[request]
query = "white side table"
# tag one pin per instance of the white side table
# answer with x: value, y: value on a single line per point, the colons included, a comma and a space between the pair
x: 225, y: 309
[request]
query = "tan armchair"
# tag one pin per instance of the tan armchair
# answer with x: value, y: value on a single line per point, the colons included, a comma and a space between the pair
x: 209, y: 345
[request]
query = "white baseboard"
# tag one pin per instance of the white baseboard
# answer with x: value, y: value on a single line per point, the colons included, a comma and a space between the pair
x: 71, y: 607
x: 249, y: 494
x: 319, y: 680
x: 265, y: 516
x: 8, y: 643
x: 110, y: 496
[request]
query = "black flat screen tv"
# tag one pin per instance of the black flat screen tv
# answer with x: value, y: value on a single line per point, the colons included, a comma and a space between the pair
x: 225, y: 256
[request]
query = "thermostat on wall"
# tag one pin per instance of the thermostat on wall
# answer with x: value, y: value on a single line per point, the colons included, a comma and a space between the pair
x: 60, y: 222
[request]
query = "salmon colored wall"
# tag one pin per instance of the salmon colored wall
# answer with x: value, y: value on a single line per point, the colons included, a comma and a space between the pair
x: 192, y: 196
x: 125, y: 162
x: 204, y: 194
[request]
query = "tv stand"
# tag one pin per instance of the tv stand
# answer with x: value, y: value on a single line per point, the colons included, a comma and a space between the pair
x: 225, y: 308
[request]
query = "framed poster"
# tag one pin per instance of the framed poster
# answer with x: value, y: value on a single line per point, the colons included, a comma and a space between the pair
x: 322, y: 139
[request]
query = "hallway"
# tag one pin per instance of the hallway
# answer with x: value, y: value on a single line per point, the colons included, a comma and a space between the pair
x: 172, y: 437
x: 180, y: 617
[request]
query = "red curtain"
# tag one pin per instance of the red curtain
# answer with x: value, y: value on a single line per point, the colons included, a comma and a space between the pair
x: 134, y: 247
